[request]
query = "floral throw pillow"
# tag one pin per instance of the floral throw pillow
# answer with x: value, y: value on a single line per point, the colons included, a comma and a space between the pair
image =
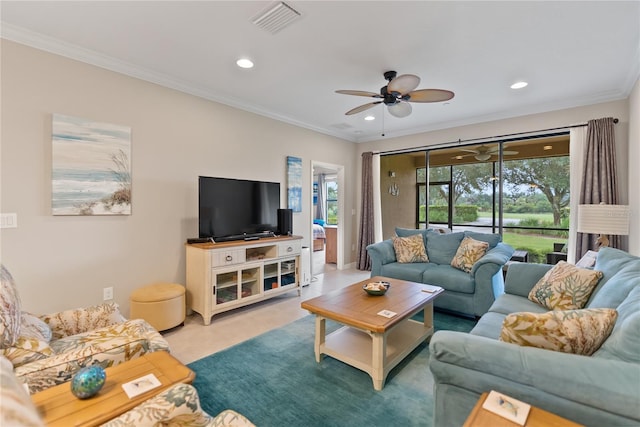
x: 9, y: 309
x: 468, y: 253
x: 565, y: 287
x: 569, y: 331
x: 410, y: 249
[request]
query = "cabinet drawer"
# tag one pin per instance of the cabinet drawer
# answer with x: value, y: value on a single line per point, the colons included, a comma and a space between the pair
x: 222, y: 258
x: 289, y: 248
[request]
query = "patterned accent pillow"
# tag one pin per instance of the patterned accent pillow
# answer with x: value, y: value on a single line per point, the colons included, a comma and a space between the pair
x: 16, y: 407
x: 33, y: 327
x: 565, y: 287
x: 27, y: 350
x: 9, y: 309
x: 569, y: 331
x: 410, y: 249
x: 468, y: 253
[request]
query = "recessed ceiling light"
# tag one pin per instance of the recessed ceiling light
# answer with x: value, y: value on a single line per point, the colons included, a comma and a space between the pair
x: 519, y: 85
x: 369, y: 118
x: 244, y: 63
x: 547, y: 147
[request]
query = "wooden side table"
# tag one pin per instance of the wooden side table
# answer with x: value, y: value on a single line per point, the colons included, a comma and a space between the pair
x: 59, y: 407
x: 480, y: 417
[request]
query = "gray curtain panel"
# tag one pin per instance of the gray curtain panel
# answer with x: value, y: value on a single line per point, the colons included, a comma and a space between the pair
x: 320, y: 210
x: 366, y: 235
x: 599, y: 182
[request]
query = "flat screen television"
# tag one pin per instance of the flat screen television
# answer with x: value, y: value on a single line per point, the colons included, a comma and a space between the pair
x: 235, y: 209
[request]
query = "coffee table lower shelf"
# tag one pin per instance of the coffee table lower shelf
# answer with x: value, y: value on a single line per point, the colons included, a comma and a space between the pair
x: 374, y: 353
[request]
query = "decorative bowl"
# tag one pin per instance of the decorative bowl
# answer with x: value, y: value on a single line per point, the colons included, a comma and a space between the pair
x: 88, y: 381
x: 376, y: 288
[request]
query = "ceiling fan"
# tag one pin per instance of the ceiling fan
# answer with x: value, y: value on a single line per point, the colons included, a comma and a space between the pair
x: 483, y: 153
x: 397, y: 94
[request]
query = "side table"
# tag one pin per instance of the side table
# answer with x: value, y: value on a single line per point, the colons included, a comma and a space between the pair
x: 480, y: 417
x: 59, y: 407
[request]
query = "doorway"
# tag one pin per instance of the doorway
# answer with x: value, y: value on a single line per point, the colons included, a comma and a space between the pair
x: 327, y: 217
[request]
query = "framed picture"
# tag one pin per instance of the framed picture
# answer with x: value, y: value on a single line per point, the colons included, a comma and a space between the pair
x: 294, y: 183
x: 91, y: 167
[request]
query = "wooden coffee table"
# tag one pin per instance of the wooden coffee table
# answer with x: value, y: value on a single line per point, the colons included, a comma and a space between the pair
x: 59, y: 407
x: 369, y: 341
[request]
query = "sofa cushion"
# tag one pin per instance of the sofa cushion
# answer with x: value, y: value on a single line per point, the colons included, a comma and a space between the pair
x: 565, y: 287
x: 410, y: 249
x: 412, y: 272
x: 489, y: 325
x: 508, y: 303
x: 621, y: 273
x: 75, y: 321
x: 9, y: 309
x: 569, y: 331
x: 624, y: 342
x: 441, y: 248
x: 491, y: 238
x: 406, y: 232
x: 468, y: 253
x: 449, y: 278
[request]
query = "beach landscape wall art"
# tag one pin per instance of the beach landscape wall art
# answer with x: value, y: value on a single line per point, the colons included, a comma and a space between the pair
x: 91, y: 167
x: 294, y: 183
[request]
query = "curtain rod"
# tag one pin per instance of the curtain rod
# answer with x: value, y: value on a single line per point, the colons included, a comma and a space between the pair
x: 460, y: 141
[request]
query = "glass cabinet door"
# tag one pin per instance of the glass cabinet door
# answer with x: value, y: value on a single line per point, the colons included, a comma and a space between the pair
x: 271, y: 276
x: 226, y: 287
x: 250, y: 284
x: 288, y: 272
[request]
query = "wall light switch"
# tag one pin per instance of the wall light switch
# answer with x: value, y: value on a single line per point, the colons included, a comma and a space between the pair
x: 107, y: 293
x: 8, y: 220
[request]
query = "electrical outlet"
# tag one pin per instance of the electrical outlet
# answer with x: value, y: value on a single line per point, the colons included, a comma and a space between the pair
x: 107, y: 293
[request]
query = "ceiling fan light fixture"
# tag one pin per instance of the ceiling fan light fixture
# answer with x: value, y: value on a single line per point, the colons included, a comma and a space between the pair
x: 400, y: 109
x: 244, y: 63
x: 482, y: 156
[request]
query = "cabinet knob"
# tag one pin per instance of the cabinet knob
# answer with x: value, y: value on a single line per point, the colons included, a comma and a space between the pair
x: 229, y: 258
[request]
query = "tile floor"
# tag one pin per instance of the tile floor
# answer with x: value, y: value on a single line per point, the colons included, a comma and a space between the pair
x: 194, y: 340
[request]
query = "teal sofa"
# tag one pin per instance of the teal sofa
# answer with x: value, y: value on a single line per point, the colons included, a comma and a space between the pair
x: 598, y: 390
x: 467, y: 293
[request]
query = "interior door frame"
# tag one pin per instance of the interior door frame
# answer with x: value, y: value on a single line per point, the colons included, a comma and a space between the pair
x: 339, y: 169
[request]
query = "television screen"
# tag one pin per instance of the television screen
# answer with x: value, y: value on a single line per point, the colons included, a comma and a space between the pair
x: 231, y: 209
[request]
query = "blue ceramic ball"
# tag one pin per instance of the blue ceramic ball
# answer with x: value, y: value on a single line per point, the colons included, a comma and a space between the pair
x: 88, y: 381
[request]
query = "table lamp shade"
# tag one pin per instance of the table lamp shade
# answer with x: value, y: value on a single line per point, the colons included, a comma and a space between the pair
x: 603, y: 219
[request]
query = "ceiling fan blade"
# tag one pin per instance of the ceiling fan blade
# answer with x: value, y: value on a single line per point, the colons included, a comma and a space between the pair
x: 400, y: 109
x: 510, y: 153
x: 359, y: 93
x: 362, y: 108
x: 403, y: 84
x: 430, y: 95
x: 470, y: 151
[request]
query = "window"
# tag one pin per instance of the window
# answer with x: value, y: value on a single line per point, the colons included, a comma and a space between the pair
x: 332, y: 200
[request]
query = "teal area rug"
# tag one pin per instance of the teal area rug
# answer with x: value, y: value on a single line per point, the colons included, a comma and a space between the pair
x: 274, y: 380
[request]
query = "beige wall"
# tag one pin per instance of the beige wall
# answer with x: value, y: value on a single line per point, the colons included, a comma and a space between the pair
x: 61, y: 262
x: 626, y: 130
x: 405, y: 179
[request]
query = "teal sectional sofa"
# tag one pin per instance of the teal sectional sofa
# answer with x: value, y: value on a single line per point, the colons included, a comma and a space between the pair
x: 467, y: 293
x: 598, y: 390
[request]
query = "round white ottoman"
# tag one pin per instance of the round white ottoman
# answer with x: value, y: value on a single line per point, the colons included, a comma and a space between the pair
x: 162, y: 305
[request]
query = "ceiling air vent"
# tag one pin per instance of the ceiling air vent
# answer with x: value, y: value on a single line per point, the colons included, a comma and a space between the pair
x: 276, y: 17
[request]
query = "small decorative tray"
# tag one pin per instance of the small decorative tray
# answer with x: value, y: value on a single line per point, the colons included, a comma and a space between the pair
x: 376, y: 288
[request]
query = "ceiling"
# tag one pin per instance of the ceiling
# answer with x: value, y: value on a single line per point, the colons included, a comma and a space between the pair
x: 572, y: 53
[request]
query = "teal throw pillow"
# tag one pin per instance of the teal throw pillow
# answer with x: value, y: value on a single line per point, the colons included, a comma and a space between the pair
x: 491, y: 238
x: 441, y: 248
